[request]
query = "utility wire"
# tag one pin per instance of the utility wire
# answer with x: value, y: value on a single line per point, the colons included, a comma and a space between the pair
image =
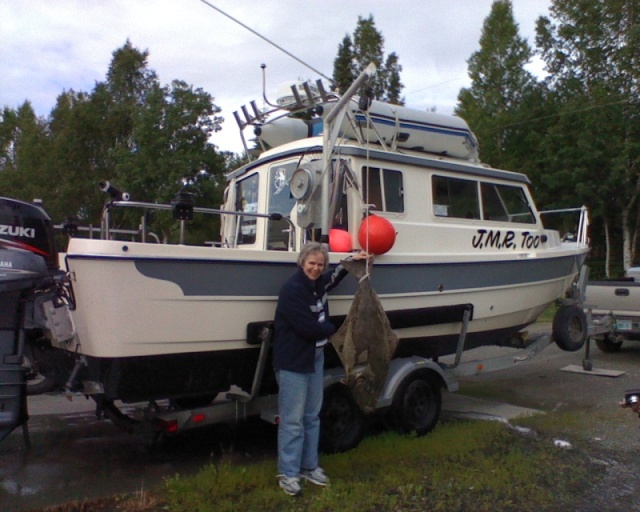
x: 560, y: 114
x: 267, y: 40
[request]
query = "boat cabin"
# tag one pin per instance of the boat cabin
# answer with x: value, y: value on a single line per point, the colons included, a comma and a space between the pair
x: 429, y: 199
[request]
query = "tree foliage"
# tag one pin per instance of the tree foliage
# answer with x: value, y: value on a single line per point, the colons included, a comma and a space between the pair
x: 147, y: 138
x: 576, y: 132
x: 24, y: 144
x: 501, y: 87
x: 357, y: 51
x: 591, y: 51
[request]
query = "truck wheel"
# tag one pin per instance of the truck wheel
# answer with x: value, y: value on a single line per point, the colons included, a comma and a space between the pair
x: 341, y: 420
x: 570, y: 328
x: 416, y: 404
x: 607, y: 344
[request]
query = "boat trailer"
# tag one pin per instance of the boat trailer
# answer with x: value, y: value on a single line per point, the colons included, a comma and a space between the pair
x: 343, y: 424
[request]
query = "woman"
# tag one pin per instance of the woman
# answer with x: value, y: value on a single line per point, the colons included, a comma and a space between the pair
x: 301, y: 330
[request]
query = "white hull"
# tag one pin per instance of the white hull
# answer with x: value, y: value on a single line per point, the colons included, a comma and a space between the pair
x: 120, y: 312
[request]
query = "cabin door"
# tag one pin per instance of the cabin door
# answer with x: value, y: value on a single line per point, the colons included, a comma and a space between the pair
x: 280, y: 201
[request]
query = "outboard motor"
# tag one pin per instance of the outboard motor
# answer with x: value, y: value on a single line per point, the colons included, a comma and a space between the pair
x: 27, y: 227
x: 28, y: 259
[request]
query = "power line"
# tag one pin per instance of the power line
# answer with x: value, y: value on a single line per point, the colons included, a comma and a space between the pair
x: 550, y: 116
x: 267, y: 40
x: 457, y: 79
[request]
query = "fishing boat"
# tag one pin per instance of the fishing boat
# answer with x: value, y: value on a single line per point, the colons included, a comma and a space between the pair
x: 468, y: 254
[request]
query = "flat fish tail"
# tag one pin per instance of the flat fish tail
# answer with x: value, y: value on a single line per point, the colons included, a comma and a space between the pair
x: 357, y: 268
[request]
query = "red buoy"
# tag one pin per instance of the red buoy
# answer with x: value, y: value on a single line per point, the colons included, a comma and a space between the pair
x: 376, y: 235
x: 339, y: 241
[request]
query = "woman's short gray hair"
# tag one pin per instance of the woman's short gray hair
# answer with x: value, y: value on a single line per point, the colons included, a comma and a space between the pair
x: 313, y: 248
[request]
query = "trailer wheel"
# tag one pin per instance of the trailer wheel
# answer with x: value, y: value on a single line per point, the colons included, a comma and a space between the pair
x: 606, y: 344
x: 416, y: 404
x: 570, y: 328
x: 341, y: 420
x: 37, y: 383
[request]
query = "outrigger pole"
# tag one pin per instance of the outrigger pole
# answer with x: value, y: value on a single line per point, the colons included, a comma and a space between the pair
x: 332, y: 123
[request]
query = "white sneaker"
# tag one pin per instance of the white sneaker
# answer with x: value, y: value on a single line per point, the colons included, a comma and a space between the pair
x: 315, y: 476
x: 290, y: 485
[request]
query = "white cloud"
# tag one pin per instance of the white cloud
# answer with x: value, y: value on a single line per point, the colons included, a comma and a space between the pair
x: 48, y: 47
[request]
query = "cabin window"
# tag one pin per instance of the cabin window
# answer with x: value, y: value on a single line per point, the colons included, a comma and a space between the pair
x: 506, y: 203
x: 383, y: 189
x: 455, y: 197
x: 247, y: 201
x: 280, y: 201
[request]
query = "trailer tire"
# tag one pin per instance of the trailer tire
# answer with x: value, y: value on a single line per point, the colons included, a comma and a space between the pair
x: 417, y: 404
x: 570, y: 328
x: 341, y: 420
x: 606, y: 344
x: 37, y: 383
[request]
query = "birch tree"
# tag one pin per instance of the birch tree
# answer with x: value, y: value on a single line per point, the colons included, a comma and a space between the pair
x: 592, y: 50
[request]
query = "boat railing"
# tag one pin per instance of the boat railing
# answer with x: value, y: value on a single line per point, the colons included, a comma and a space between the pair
x: 106, y: 231
x: 581, y: 236
x: 95, y: 231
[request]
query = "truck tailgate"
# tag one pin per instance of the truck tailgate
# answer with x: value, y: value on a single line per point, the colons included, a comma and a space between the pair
x: 620, y: 297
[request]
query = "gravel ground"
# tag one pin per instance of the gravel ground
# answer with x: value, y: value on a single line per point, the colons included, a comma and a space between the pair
x: 598, y: 426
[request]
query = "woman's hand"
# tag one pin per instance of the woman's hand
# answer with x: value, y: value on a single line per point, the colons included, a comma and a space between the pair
x: 361, y: 255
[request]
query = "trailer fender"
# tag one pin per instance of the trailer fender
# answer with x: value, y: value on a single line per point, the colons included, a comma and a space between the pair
x: 401, y: 368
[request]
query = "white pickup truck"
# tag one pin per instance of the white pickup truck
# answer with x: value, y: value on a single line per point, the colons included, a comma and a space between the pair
x: 616, y: 301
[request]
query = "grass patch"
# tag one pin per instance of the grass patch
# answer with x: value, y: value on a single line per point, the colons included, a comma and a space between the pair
x: 460, y: 466
x: 548, y: 314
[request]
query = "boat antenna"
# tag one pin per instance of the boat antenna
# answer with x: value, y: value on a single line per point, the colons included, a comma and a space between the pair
x: 264, y: 86
x: 267, y: 40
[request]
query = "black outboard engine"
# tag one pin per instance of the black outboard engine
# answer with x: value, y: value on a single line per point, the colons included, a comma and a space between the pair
x: 28, y: 259
x: 27, y: 227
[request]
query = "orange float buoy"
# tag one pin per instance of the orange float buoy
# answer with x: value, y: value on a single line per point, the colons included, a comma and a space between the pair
x: 339, y: 241
x: 376, y: 235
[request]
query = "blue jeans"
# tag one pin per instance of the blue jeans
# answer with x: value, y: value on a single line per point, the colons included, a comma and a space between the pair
x: 299, y: 404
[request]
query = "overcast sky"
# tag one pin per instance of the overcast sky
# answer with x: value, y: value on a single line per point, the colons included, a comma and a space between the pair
x: 48, y: 46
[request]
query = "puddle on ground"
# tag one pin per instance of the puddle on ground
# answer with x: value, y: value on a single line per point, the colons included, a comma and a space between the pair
x: 74, y: 457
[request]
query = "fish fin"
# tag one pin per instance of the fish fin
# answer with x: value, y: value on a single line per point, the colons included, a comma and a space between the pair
x: 361, y: 371
x: 363, y: 357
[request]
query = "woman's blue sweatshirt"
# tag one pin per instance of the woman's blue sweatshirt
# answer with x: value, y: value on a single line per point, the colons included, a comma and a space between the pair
x: 296, y: 325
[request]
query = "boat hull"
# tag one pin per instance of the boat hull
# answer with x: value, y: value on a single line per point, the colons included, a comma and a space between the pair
x: 158, y: 321
x: 132, y: 304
